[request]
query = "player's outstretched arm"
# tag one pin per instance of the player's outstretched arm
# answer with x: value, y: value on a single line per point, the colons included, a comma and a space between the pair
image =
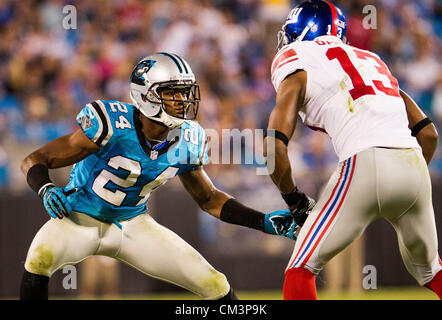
x: 224, y: 207
x: 289, y: 99
x: 202, y: 190
x: 426, y: 135
x: 61, y: 152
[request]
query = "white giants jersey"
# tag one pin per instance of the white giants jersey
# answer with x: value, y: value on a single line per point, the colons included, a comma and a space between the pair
x: 350, y: 94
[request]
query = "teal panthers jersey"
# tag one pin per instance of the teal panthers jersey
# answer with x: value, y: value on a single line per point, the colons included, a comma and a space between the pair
x: 115, y: 183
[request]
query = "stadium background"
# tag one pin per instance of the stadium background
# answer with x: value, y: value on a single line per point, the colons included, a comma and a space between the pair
x: 47, y: 74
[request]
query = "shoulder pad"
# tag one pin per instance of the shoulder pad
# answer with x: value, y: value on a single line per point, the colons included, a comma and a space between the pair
x: 95, y: 123
x: 101, y: 120
x: 285, y: 62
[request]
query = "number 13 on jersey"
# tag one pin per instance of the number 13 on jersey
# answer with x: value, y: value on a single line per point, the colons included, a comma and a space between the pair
x: 360, y: 87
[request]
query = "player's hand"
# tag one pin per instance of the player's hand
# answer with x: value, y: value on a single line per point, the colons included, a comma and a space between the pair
x: 301, y: 210
x: 55, y: 201
x: 281, y: 223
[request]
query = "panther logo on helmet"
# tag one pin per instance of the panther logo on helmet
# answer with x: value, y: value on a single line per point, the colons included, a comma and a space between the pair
x: 139, y: 76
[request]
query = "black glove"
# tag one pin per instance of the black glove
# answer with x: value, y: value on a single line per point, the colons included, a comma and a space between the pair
x: 300, y: 205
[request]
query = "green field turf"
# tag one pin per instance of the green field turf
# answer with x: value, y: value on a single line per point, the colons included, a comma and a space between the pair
x: 413, y: 293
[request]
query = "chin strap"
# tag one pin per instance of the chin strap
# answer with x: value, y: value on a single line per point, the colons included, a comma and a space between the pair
x: 167, y: 120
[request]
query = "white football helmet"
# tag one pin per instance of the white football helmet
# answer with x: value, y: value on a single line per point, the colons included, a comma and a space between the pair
x: 162, y: 72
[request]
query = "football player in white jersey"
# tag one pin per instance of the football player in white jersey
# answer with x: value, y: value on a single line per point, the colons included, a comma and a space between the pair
x: 383, y: 140
x: 122, y: 152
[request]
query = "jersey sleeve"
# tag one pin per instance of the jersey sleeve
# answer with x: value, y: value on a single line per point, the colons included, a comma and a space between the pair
x: 199, y: 155
x: 94, y: 120
x: 197, y: 147
x: 203, y: 156
x: 285, y: 62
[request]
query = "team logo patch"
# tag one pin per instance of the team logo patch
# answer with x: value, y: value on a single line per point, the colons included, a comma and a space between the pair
x: 282, y: 225
x: 85, y: 122
x: 154, y: 154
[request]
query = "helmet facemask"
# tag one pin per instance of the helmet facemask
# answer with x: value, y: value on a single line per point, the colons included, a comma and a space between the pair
x: 285, y: 37
x: 177, y: 101
x: 282, y: 38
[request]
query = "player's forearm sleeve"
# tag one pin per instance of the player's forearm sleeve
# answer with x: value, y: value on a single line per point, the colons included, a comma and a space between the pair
x: 236, y: 213
x: 38, y: 177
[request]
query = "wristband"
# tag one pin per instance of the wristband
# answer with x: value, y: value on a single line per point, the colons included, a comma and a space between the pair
x: 278, y: 135
x: 420, y: 125
x: 293, y: 197
x: 236, y: 213
x: 38, y: 178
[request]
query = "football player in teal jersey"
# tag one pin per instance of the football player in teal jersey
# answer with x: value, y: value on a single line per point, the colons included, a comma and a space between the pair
x: 121, y: 153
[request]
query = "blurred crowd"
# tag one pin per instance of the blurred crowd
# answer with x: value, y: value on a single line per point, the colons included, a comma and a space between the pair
x: 48, y: 73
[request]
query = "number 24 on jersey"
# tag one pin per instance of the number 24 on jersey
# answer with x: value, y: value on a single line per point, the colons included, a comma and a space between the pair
x: 122, y: 122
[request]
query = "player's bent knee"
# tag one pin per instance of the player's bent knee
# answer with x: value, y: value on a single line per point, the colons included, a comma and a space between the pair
x: 40, y: 261
x: 215, y: 286
x: 426, y: 272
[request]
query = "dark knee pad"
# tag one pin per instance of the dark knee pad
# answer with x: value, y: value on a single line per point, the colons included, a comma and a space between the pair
x: 34, y: 287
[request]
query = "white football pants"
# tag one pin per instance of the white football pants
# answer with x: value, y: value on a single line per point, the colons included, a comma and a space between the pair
x: 376, y: 183
x: 142, y: 243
